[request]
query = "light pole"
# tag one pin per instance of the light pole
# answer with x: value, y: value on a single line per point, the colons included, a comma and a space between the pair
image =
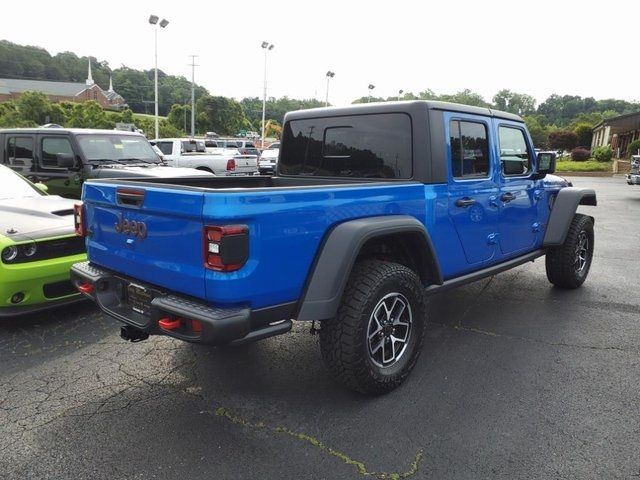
x: 266, y: 47
x: 330, y: 75
x: 370, y: 87
x: 153, y: 20
x: 400, y: 92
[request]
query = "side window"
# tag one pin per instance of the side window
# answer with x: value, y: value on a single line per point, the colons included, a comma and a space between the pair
x: 469, y: 149
x: 51, y: 147
x: 165, y: 147
x: 514, y: 153
x: 188, y: 147
x: 20, y: 151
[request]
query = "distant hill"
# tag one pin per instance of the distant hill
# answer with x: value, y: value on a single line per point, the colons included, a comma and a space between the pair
x: 136, y: 86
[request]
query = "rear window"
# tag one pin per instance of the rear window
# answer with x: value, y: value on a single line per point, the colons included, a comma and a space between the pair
x: 361, y: 146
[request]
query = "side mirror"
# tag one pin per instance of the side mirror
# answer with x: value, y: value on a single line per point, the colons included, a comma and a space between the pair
x: 546, y: 164
x: 42, y: 187
x: 66, y: 160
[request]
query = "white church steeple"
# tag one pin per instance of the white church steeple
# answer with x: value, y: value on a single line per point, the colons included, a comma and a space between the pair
x: 89, y: 76
x: 110, y: 83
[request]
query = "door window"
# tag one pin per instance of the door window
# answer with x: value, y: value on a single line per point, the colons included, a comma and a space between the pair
x: 165, y: 147
x: 20, y: 151
x: 469, y: 149
x: 514, y: 152
x: 51, y: 147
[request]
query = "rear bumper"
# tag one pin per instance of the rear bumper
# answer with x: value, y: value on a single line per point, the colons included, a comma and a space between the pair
x: 213, y: 325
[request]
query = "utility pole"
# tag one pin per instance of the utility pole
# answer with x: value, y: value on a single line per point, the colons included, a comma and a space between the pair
x: 193, y: 94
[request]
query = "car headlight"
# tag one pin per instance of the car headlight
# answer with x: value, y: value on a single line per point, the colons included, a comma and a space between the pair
x: 29, y: 250
x: 9, y: 254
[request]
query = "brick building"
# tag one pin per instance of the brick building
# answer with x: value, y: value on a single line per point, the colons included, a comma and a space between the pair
x: 12, y: 88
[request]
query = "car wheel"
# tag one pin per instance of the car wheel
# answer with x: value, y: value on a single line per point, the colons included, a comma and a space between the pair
x: 568, y: 264
x: 373, y: 342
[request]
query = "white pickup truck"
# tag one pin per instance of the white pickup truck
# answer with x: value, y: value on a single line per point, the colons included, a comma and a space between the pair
x: 188, y: 152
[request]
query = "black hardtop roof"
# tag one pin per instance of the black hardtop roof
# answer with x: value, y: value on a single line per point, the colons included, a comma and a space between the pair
x: 403, y: 106
x: 62, y: 131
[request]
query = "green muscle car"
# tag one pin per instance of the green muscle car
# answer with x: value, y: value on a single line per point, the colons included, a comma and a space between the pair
x: 38, y: 245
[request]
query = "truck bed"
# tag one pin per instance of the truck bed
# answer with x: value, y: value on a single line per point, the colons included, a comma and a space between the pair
x: 252, y: 182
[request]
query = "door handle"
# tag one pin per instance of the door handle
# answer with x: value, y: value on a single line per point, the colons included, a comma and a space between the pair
x: 507, y: 197
x: 465, y: 202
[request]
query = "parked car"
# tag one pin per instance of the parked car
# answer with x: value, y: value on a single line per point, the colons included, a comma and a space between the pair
x: 373, y: 207
x: 192, y: 153
x: 244, y: 146
x: 63, y: 158
x: 269, y: 158
x: 38, y: 245
x: 633, y: 177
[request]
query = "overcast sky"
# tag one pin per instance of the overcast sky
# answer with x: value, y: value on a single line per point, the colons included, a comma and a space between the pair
x: 537, y: 47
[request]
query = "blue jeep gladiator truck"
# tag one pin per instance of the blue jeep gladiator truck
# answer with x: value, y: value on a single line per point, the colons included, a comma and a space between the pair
x: 372, y: 208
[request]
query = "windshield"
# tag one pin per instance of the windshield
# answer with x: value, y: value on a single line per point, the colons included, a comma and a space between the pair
x: 116, y: 148
x: 14, y: 186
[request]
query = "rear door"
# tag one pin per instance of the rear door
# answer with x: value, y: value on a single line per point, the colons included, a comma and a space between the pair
x: 149, y: 233
x: 472, y: 185
x: 19, y: 153
x: 518, y: 223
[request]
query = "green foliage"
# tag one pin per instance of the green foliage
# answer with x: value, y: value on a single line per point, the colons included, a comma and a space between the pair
x: 603, y: 153
x: 539, y: 133
x: 518, y: 103
x: 584, y: 133
x: 633, y: 148
x: 563, y: 140
x: 562, y: 110
x: 587, y: 166
x: 220, y: 114
x: 580, y: 154
x: 275, y: 109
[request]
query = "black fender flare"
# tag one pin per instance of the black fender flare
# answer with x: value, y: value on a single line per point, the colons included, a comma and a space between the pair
x: 564, y: 208
x: 337, y: 254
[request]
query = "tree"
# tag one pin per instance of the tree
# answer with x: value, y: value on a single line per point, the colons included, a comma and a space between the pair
x: 220, y: 114
x: 584, y: 131
x: 518, y: 103
x: 539, y: 133
x: 34, y: 107
x: 563, y: 140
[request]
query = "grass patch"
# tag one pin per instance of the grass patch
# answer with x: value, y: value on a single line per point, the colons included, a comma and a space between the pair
x: 586, y: 166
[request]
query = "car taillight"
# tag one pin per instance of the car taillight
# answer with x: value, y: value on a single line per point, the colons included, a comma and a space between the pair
x: 226, y: 248
x: 231, y: 164
x: 79, y: 220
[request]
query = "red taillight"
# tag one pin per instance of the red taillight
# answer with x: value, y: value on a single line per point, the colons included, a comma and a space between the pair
x: 226, y: 248
x: 231, y: 165
x: 79, y: 221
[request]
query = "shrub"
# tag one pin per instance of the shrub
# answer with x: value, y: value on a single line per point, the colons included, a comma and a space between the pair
x: 633, y: 147
x: 580, y: 154
x: 563, y: 140
x: 603, y: 153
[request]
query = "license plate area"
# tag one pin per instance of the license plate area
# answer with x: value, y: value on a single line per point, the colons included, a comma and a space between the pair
x: 138, y: 298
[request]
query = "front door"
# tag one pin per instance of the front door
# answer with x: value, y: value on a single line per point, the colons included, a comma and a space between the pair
x: 518, y: 222
x: 63, y: 181
x: 472, y: 187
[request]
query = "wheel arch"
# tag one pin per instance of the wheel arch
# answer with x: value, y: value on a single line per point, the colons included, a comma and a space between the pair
x: 348, y: 241
x: 564, y: 208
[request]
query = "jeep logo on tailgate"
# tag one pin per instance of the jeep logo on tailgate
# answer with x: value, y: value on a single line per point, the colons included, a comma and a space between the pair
x: 126, y: 227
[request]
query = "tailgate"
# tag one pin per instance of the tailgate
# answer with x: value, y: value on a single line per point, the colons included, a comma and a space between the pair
x: 245, y: 163
x: 148, y: 233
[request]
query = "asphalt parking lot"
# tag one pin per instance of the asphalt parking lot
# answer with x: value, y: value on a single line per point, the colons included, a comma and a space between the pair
x: 517, y: 380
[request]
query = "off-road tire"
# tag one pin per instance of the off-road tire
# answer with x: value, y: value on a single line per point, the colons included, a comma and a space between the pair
x: 562, y: 262
x: 344, y: 339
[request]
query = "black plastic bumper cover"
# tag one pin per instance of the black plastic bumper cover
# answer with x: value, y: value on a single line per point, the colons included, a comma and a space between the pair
x: 219, y: 325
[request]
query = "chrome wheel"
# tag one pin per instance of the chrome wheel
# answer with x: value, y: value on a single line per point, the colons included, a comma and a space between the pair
x: 389, y: 329
x: 582, y: 252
